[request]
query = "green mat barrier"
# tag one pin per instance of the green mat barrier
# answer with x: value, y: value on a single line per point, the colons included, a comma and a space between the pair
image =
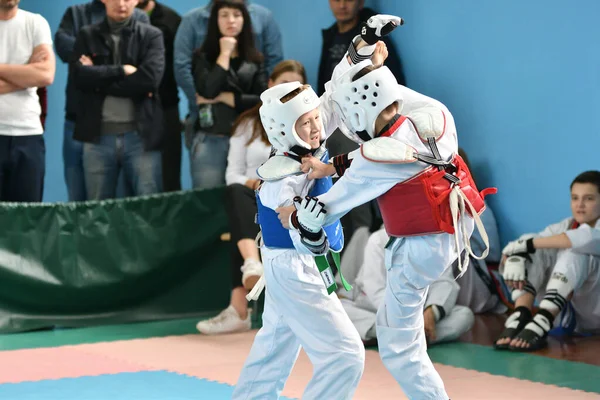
x: 115, y: 261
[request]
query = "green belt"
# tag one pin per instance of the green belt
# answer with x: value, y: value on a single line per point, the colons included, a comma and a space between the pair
x: 324, y: 264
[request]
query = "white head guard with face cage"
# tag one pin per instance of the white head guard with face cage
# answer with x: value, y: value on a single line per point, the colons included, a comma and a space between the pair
x: 279, y: 119
x: 359, y: 103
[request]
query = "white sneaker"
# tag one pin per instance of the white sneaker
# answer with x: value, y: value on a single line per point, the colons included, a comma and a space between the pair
x: 228, y: 321
x: 252, y: 270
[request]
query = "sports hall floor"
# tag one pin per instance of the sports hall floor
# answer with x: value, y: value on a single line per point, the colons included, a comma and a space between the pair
x: 169, y: 360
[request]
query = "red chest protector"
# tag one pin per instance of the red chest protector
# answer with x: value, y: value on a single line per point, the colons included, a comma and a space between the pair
x: 420, y: 205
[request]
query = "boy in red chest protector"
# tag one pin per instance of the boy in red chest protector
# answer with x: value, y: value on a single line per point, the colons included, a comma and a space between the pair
x: 408, y: 161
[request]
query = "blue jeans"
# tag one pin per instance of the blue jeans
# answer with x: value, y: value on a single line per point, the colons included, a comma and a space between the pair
x: 73, y: 161
x: 103, y: 161
x: 208, y: 160
x: 22, y: 168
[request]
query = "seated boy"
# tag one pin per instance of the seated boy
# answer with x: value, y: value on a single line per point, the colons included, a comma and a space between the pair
x: 566, y: 258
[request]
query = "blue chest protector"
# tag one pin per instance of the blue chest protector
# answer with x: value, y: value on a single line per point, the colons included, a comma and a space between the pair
x: 274, y: 235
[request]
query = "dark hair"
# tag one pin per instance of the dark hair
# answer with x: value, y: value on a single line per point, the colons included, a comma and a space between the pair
x: 246, y: 48
x: 592, y: 177
x: 258, y: 131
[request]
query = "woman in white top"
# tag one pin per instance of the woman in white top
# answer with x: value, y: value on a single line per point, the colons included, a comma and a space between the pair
x: 249, y: 147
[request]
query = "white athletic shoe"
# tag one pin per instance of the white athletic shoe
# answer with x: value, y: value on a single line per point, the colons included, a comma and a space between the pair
x: 228, y: 321
x: 252, y: 270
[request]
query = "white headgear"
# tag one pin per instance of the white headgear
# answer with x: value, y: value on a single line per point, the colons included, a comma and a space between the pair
x: 359, y: 103
x: 279, y: 119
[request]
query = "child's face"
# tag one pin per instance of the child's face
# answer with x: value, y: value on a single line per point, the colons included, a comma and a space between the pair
x: 308, y: 127
x: 585, y: 203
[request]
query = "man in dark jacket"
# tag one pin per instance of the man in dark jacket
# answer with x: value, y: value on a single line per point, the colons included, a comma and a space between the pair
x: 75, y: 18
x: 167, y: 20
x: 349, y: 16
x: 118, y: 66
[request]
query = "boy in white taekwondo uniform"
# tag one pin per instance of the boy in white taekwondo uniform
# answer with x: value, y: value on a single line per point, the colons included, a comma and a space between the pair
x: 428, y: 201
x: 300, y: 309
x: 444, y: 320
x: 565, y: 258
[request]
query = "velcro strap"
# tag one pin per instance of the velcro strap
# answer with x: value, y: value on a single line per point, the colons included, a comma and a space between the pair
x: 354, y: 56
x: 541, y: 324
x: 316, y: 246
x: 341, y: 163
x: 529, y: 288
x: 518, y: 318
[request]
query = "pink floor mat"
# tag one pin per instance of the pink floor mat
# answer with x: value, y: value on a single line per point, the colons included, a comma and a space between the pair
x: 60, y: 362
x: 220, y: 358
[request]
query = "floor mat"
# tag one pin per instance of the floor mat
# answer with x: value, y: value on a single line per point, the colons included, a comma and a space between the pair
x: 186, y: 361
x: 159, y: 385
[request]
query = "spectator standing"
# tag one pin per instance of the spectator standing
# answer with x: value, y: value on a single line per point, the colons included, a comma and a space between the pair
x: 229, y: 77
x: 167, y: 20
x: 27, y: 62
x: 118, y: 66
x: 192, y: 33
x: 75, y: 18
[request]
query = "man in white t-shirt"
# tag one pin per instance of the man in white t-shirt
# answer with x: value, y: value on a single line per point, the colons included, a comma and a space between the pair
x: 26, y: 63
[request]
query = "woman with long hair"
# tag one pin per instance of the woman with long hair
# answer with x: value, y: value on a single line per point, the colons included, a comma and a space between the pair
x: 229, y: 78
x: 249, y: 148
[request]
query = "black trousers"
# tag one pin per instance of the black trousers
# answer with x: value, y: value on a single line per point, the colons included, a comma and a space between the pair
x: 240, y: 204
x: 171, y: 153
x: 22, y: 168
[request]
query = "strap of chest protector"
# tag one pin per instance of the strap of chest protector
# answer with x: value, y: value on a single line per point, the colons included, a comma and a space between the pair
x: 439, y: 162
x: 256, y: 290
x: 458, y: 204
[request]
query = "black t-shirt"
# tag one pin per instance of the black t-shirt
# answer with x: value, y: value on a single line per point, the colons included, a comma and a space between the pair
x: 338, y: 48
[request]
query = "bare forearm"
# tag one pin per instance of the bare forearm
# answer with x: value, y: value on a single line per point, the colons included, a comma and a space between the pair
x: 26, y: 76
x: 227, y: 98
x: 7, y: 87
x: 560, y: 241
x: 223, y: 61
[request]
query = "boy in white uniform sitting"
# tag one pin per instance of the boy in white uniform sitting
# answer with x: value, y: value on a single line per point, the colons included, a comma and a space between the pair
x: 565, y: 257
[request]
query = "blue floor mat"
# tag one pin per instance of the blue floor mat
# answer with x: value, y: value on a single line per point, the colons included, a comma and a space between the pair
x: 159, y: 385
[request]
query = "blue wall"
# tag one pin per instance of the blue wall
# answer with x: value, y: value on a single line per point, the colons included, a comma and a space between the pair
x: 521, y: 78
x: 300, y: 21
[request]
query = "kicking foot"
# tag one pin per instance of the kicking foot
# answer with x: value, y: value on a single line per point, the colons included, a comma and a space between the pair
x: 228, y: 321
x: 514, y: 324
x: 534, y: 336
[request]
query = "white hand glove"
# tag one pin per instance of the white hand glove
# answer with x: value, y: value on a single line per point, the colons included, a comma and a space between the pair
x: 521, y: 246
x: 379, y: 26
x: 311, y: 214
x: 514, y: 269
